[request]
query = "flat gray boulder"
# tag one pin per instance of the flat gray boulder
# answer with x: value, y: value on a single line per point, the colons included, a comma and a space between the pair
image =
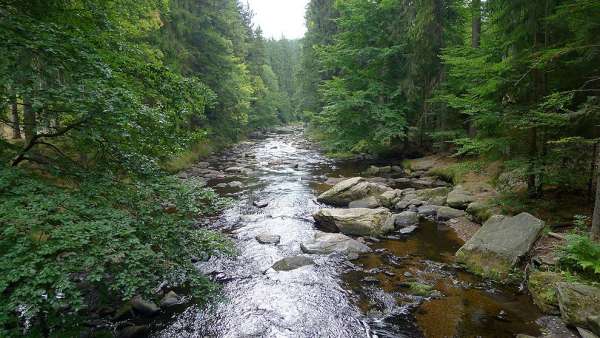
x: 357, y: 221
x: 327, y: 243
x: 459, y: 198
x: 292, y: 263
x: 349, y: 190
x: 499, y: 244
x: 268, y: 239
x: 579, y: 304
x: 446, y: 213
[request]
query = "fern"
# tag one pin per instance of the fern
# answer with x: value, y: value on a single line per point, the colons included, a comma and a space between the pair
x: 581, y: 254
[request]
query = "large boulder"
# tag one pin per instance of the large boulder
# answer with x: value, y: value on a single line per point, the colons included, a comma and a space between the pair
x: 495, y: 248
x: 326, y: 243
x: 358, y: 221
x: 542, y: 286
x: 370, y: 202
x: 579, y: 304
x: 352, y: 189
x: 459, y: 198
x: 292, y: 263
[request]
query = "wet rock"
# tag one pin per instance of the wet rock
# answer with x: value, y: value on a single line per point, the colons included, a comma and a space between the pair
x: 406, y: 218
x: 235, y: 184
x: 234, y: 170
x: 136, y: 331
x: 358, y: 221
x: 144, y: 307
x: 498, y: 245
x: 408, y: 230
x: 170, y: 299
x: 326, y: 243
x: 578, y: 302
x: 459, y: 198
x: 446, y: 213
x: 428, y: 210
x: 292, y: 263
x: 268, y: 239
x: 371, y: 280
x: 369, y: 202
x: 390, y: 198
x: 542, y: 286
x: 351, y: 190
x: 260, y: 204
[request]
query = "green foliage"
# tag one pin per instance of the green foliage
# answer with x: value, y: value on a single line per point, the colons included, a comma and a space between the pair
x: 454, y: 173
x: 62, y: 246
x: 581, y: 255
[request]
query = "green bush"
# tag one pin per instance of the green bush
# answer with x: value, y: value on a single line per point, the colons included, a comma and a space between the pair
x: 67, y: 249
x: 581, y: 255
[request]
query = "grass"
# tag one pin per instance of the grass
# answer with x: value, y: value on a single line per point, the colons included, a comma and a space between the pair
x: 455, y: 173
x: 193, y: 155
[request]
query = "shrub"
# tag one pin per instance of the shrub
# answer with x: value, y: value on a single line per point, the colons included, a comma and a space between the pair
x: 67, y: 251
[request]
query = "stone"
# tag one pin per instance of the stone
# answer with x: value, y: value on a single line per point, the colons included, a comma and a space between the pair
x: 480, y: 211
x: 268, y: 239
x: 428, y: 194
x: 134, y: 331
x: 203, y: 165
x: 428, y: 210
x: 499, y: 244
x: 260, y: 204
x: 351, y: 190
x: 292, y: 263
x: 594, y: 323
x: 235, y: 184
x: 542, y: 287
x: 358, y: 221
x: 585, y: 333
x: 144, y: 307
x: 170, y: 299
x: 327, y: 243
x: 446, y: 213
x: 408, y: 230
x: 459, y: 198
x: 389, y: 198
x: 406, y: 218
x: 578, y: 302
x: 370, y: 202
x: 237, y: 170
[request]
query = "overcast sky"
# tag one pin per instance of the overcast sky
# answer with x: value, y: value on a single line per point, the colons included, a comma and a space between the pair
x: 280, y: 17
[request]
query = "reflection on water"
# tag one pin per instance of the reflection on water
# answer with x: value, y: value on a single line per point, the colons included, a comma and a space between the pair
x: 334, y: 297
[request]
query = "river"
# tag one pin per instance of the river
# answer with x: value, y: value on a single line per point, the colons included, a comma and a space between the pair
x: 335, y: 297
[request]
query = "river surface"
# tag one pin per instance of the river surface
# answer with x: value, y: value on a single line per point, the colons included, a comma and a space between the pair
x: 367, y: 297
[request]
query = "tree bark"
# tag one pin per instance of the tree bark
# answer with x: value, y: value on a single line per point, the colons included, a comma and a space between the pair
x: 476, y: 24
x: 29, y: 119
x: 596, y: 218
x: 16, y: 126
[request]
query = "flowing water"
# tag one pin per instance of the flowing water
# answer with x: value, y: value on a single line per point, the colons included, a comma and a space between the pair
x: 367, y: 297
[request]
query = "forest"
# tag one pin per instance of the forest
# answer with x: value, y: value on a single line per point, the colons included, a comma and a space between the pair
x: 120, y: 123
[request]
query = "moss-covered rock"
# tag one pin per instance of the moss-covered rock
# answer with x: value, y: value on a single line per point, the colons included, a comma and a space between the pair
x: 480, y: 211
x: 579, y: 303
x: 542, y: 286
x: 418, y: 289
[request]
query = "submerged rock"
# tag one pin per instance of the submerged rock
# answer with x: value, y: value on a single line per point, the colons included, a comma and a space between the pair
x: 350, y: 190
x: 326, y: 243
x: 268, y: 239
x: 579, y: 304
x: 495, y: 248
x: 358, y: 221
x: 292, y: 263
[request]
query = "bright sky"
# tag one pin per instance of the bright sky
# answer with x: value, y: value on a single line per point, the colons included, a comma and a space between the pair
x: 280, y: 17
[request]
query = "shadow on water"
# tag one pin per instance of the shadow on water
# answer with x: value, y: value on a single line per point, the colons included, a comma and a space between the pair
x: 372, y: 296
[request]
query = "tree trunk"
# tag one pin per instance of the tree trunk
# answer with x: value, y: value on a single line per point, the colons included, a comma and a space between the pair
x: 29, y: 119
x: 476, y: 23
x: 16, y: 126
x: 531, y: 178
x: 596, y: 218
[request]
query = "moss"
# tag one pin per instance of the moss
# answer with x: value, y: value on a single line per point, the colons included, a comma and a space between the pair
x: 456, y: 172
x: 486, y: 264
x: 420, y: 289
x: 542, y: 286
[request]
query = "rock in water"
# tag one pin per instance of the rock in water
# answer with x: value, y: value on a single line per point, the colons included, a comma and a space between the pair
x: 268, y: 239
x: 406, y: 218
x: 326, y: 243
x: 292, y: 263
x: 495, y: 248
x: 144, y: 307
x: 408, y: 230
x: 542, y: 286
x: 260, y: 204
x: 446, y: 213
x: 358, y: 221
x: 352, y: 189
x: 370, y: 202
x: 170, y: 299
x: 459, y: 198
x: 579, y: 304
